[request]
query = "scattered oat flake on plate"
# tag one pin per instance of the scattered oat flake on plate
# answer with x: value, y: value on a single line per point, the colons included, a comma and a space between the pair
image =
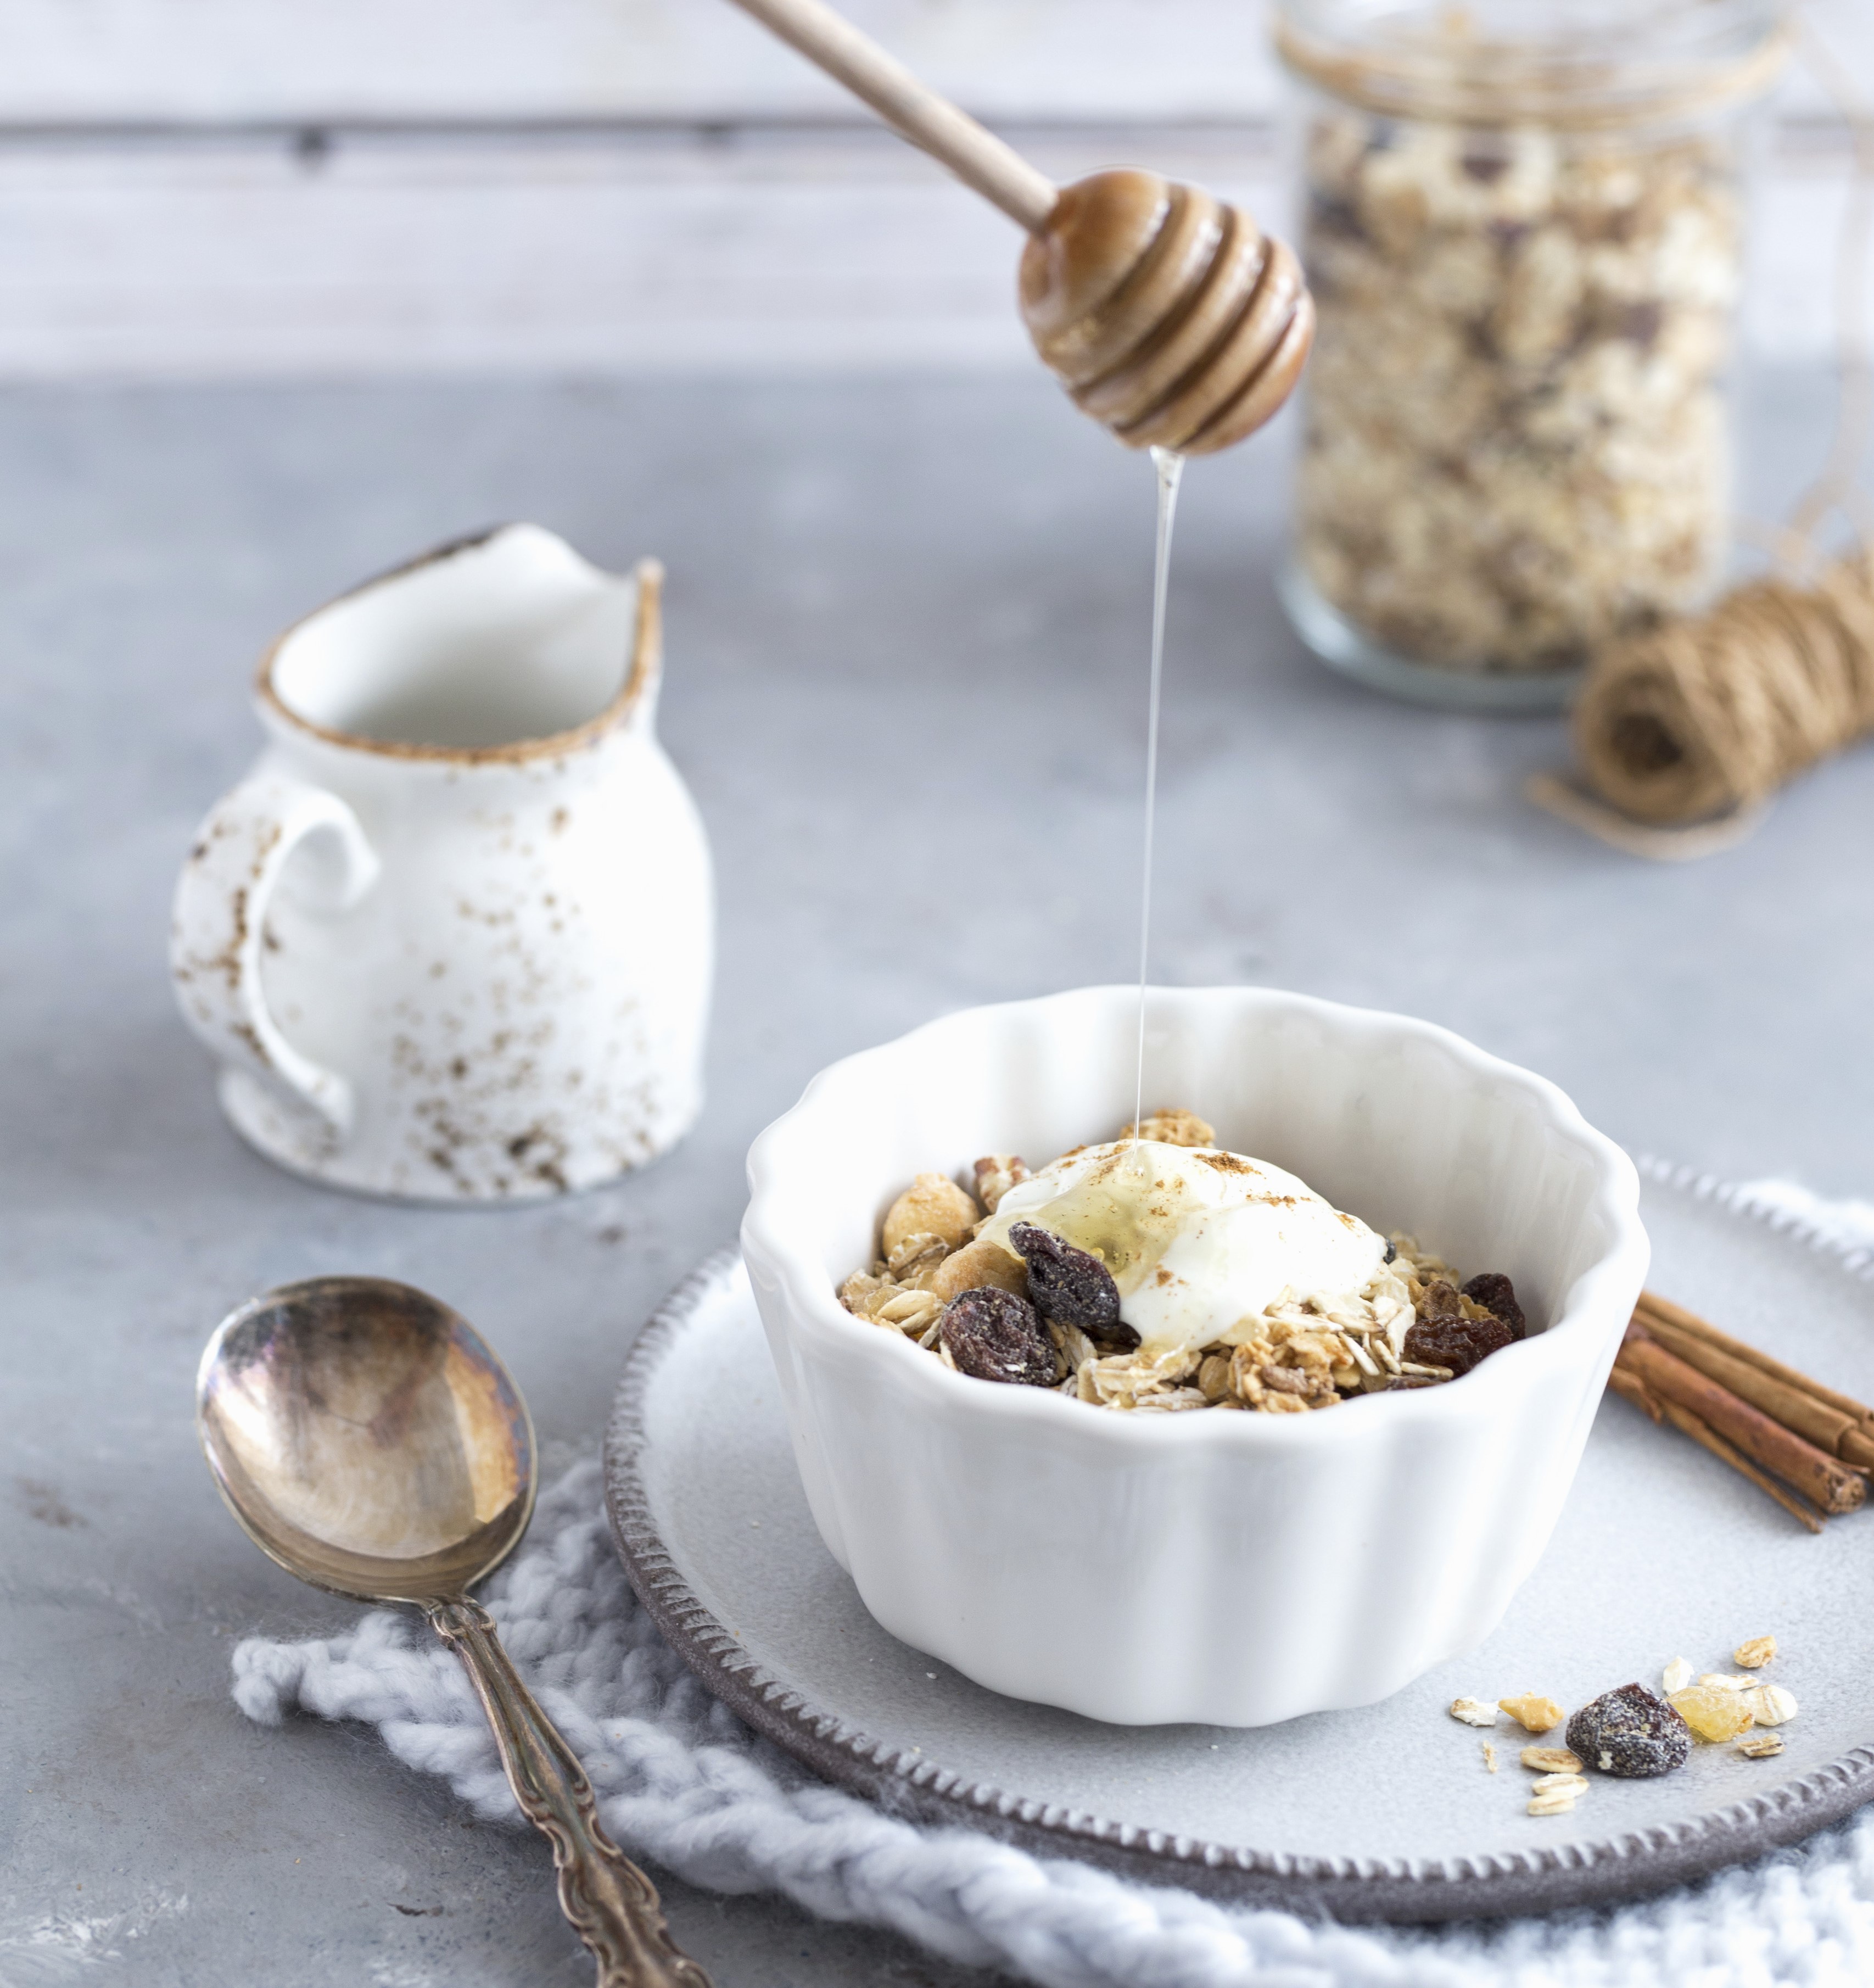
x: 1760, y: 1746
x: 1559, y: 1804
x: 1675, y: 1676
x: 1560, y: 1784
x: 1551, y: 1760
x: 1713, y: 1713
x: 1532, y: 1711
x: 1490, y: 1758
x: 1474, y: 1712
x: 1753, y: 1656
x: 1719, y: 1680
x: 1771, y: 1704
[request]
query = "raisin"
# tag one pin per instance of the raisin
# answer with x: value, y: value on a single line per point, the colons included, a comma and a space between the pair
x: 1630, y: 1732
x: 1441, y: 1335
x: 1070, y: 1287
x: 994, y: 1335
x: 1392, y: 1253
x: 1494, y: 1291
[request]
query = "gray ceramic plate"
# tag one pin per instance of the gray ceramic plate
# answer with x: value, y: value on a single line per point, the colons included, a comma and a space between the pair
x: 1386, y: 1813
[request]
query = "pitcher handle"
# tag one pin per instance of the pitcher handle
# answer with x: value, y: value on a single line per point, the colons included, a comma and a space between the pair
x: 219, y: 926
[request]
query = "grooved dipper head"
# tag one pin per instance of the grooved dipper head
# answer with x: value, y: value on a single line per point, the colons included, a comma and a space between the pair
x: 1169, y: 316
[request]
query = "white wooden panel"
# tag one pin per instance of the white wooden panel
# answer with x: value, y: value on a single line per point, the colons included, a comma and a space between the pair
x: 573, y: 255
x: 242, y: 61
x: 246, y: 61
x: 594, y: 257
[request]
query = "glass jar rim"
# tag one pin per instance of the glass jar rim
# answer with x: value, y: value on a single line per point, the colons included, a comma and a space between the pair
x: 1573, y: 64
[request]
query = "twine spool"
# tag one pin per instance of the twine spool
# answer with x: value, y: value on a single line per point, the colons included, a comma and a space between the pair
x: 1705, y: 717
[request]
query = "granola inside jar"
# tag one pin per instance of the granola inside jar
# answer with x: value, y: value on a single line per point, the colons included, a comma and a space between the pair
x: 1522, y: 231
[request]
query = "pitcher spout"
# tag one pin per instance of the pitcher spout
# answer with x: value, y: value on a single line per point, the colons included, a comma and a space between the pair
x: 505, y: 646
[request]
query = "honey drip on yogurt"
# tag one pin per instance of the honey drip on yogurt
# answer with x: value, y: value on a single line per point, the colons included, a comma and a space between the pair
x: 1170, y: 467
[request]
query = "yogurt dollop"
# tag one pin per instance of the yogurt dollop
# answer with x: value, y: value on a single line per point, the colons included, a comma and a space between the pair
x: 1199, y: 1241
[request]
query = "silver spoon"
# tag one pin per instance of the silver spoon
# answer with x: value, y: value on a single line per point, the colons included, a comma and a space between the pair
x: 369, y: 1440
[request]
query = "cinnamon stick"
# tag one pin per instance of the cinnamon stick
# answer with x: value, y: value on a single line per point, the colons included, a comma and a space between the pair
x: 1795, y: 1408
x: 1813, y: 1472
x: 1631, y: 1388
x: 1663, y: 1310
x: 1701, y: 1431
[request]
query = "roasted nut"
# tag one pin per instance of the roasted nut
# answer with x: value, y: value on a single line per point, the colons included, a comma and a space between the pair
x: 1753, y: 1656
x: 977, y: 1264
x: 931, y: 1205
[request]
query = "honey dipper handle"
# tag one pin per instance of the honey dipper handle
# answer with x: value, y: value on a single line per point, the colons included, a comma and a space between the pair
x: 932, y: 123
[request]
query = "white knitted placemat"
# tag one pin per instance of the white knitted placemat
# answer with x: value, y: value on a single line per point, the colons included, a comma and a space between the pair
x: 683, y: 1782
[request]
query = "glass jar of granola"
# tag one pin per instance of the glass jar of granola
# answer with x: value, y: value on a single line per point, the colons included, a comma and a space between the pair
x: 1523, y: 231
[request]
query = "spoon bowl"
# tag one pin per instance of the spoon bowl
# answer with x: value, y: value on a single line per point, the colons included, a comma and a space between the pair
x: 368, y: 1439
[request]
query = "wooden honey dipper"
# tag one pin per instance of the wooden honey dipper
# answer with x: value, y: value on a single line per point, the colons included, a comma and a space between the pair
x: 1168, y: 315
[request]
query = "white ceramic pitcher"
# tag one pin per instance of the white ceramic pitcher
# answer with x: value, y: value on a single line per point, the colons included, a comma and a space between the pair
x: 451, y: 939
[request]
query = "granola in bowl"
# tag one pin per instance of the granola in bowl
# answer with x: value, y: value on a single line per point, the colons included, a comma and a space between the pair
x: 1158, y: 1271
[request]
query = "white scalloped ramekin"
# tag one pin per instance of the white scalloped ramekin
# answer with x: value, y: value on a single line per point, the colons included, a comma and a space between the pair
x: 1230, y: 1569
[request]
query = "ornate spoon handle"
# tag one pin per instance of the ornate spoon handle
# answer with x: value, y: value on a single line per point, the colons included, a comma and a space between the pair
x: 612, y: 1905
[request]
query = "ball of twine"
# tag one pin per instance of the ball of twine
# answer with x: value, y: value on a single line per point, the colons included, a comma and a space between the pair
x: 1705, y: 717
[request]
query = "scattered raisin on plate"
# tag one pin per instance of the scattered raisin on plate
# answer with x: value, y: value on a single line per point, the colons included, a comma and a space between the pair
x: 1494, y: 1291
x: 1071, y: 1286
x: 995, y: 1336
x: 1631, y: 1732
x: 1441, y: 1335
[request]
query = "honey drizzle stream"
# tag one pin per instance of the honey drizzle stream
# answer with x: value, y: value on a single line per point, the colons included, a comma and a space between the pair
x: 1170, y: 467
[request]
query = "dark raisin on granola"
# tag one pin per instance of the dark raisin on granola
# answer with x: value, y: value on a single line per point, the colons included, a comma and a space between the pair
x: 1392, y: 1253
x: 1630, y: 1732
x: 1494, y: 1291
x: 1070, y: 1287
x: 1441, y: 1335
x: 995, y: 1335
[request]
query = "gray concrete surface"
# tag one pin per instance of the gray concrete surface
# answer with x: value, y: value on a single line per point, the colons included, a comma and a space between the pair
x: 907, y: 627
